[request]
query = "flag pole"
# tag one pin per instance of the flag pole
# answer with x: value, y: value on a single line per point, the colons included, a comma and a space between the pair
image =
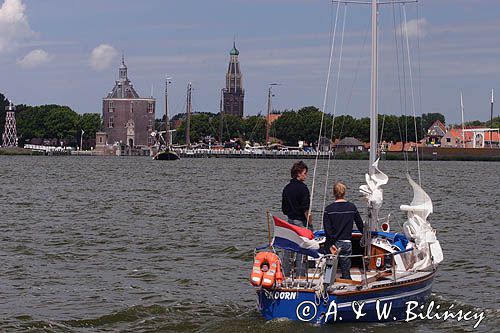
x: 268, y: 226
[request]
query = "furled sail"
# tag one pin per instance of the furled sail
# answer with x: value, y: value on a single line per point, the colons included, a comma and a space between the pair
x: 417, y: 228
x: 373, y: 188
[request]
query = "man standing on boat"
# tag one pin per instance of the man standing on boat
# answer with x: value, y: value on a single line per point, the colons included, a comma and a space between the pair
x: 338, y: 221
x: 295, y: 205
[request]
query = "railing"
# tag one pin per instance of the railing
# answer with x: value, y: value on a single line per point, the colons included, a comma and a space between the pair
x: 364, y: 258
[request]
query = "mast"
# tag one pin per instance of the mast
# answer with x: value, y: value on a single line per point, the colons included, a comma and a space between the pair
x: 268, y: 114
x: 373, y: 211
x: 269, y: 107
x: 188, y: 115
x: 463, y: 127
x: 373, y: 90
x: 167, y: 121
x: 221, y: 119
x: 491, y: 120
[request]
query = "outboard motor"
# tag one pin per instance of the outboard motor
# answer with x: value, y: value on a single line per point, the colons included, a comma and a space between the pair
x: 330, y: 270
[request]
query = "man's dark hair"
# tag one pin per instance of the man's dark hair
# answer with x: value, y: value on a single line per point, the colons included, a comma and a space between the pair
x: 297, y: 168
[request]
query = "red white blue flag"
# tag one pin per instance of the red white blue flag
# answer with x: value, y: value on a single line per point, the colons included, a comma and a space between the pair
x: 297, y: 239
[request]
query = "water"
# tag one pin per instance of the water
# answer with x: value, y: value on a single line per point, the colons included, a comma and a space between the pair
x: 104, y: 244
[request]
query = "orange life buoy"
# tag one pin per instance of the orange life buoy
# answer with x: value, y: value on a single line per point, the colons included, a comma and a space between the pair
x: 266, y: 270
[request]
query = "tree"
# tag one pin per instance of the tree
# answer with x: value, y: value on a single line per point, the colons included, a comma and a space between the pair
x: 301, y: 125
x: 254, y: 129
x: 429, y: 118
x: 201, y: 125
x: 90, y: 123
x: 4, y: 102
x: 31, y: 122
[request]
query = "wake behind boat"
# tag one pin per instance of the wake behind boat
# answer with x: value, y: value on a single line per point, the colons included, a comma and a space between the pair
x: 392, y: 273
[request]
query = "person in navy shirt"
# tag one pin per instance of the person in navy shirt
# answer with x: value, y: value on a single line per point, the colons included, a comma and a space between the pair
x: 338, y: 220
x: 295, y: 205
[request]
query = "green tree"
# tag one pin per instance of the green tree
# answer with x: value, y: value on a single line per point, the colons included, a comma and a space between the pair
x: 4, y: 102
x: 254, y: 129
x: 62, y: 123
x: 304, y: 124
x: 495, y: 123
x: 429, y: 118
x: 31, y: 122
x: 201, y: 125
x: 90, y: 123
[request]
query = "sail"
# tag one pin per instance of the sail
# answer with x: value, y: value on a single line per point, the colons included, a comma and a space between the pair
x: 373, y: 188
x: 417, y: 228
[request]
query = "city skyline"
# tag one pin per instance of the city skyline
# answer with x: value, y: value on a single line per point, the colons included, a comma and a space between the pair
x: 54, y: 53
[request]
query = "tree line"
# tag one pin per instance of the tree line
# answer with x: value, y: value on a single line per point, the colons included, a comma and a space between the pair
x: 55, y: 123
x: 304, y: 125
x: 61, y: 124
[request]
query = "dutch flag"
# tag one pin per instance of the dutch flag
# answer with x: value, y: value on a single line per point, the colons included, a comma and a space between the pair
x: 297, y: 239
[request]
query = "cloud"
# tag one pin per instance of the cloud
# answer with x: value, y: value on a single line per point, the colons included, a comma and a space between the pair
x: 102, y: 56
x: 415, y: 28
x: 34, y: 59
x: 14, y: 25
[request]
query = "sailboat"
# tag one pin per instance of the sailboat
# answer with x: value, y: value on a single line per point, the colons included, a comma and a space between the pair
x: 392, y: 273
x: 168, y: 154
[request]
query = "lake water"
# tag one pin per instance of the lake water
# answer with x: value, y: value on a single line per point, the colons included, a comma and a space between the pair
x: 91, y: 244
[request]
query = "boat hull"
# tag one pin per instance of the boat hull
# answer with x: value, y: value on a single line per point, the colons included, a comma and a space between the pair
x: 166, y: 156
x: 356, y: 306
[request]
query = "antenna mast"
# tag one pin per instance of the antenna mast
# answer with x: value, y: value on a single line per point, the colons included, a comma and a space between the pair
x: 463, y: 126
x: 491, y: 120
x: 221, y: 118
x: 188, y: 115
x: 268, y: 119
x: 167, y: 120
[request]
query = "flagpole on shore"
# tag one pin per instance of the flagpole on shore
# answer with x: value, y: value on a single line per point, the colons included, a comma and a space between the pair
x: 81, y: 140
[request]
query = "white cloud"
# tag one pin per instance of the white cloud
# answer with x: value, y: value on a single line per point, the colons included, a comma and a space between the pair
x: 14, y: 25
x: 415, y: 28
x: 34, y: 59
x: 102, y: 56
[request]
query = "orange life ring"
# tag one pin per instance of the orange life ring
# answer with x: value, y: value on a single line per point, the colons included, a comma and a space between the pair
x: 266, y: 277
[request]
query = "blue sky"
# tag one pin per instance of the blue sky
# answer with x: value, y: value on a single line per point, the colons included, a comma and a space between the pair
x: 68, y: 52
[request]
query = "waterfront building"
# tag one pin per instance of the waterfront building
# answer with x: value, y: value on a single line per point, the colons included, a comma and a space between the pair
x: 349, y: 145
x: 233, y: 94
x: 128, y: 118
x: 471, y: 137
x: 9, y: 136
x: 435, y: 133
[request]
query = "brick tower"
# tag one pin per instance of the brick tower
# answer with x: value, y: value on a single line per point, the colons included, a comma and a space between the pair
x: 233, y: 94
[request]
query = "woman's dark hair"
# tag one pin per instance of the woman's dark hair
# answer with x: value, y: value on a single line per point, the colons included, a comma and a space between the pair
x: 297, y: 168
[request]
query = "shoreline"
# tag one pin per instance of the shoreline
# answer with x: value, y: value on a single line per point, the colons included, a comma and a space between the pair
x: 425, y: 154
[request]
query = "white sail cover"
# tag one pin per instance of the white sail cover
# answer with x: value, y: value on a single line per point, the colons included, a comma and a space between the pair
x: 373, y: 190
x: 417, y: 228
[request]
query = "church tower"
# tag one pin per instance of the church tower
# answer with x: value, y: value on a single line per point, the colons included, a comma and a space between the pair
x: 233, y: 94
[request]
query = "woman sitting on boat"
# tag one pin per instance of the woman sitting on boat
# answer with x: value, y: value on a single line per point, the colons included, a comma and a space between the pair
x: 338, y: 221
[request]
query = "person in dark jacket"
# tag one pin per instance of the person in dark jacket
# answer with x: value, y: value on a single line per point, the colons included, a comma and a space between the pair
x: 338, y: 221
x: 295, y: 205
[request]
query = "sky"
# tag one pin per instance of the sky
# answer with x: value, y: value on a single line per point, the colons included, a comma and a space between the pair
x: 68, y: 52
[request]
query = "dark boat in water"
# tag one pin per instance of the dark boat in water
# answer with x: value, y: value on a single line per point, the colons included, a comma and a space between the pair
x: 166, y: 155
